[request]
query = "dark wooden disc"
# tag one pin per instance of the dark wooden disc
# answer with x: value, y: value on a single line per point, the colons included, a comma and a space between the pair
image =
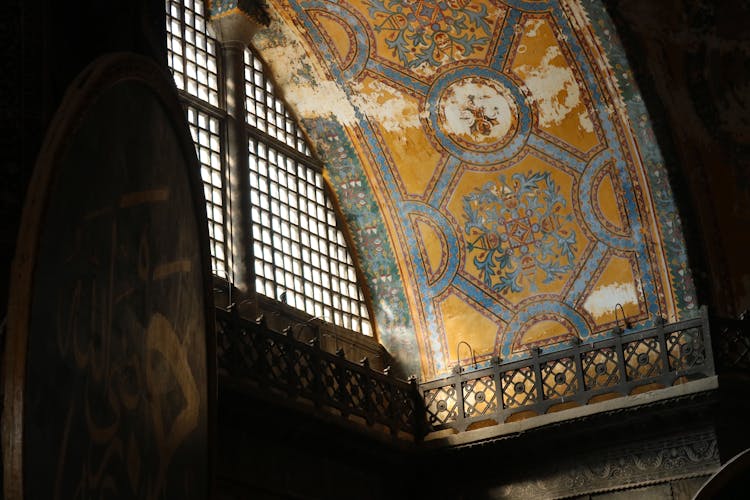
x: 109, y: 360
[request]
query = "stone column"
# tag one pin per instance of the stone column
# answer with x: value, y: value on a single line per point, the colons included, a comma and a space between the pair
x: 235, y: 23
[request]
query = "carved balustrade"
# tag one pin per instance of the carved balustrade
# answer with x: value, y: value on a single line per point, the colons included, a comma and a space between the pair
x: 667, y: 354
x: 274, y: 363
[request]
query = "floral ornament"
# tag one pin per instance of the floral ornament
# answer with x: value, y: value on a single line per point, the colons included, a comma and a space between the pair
x: 517, y: 229
x: 428, y: 32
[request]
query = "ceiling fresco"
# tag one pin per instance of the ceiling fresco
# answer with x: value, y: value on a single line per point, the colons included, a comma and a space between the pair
x: 496, y: 167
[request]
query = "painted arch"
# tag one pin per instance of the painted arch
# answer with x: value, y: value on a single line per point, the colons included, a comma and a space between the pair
x: 496, y: 167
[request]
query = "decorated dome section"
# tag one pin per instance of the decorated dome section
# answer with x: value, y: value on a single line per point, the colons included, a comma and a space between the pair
x: 500, y: 188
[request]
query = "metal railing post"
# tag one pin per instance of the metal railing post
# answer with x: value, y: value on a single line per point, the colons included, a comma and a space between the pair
x: 537, y: 366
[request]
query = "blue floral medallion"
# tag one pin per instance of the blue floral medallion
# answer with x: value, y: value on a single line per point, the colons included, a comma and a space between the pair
x: 516, y: 229
x: 428, y: 32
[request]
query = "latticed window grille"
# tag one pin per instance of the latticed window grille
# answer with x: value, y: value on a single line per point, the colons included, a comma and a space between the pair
x: 266, y: 112
x: 193, y: 59
x: 192, y: 50
x: 300, y: 256
x: 207, y: 137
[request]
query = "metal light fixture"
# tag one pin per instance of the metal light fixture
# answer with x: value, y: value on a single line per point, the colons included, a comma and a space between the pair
x: 457, y: 368
x: 619, y: 330
x: 301, y: 325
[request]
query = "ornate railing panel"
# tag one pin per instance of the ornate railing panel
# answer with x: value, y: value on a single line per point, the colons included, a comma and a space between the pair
x: 273, y: 363
x: 270, y: 363
x: 664, y: 355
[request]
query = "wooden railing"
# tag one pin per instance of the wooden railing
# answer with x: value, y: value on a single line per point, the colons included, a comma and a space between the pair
x: 664, y: 355
x: 273, y: 364
x: 280, y: 366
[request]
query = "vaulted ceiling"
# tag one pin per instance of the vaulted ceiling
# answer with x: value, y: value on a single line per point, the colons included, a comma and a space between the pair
x: 496, y: 167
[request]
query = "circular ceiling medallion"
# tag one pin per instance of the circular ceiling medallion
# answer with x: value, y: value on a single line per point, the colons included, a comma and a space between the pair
x: 478, y: 113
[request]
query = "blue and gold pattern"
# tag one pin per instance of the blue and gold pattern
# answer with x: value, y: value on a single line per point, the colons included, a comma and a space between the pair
x: 427, y: 32
x: 512, y: 184
x: 517, y: 235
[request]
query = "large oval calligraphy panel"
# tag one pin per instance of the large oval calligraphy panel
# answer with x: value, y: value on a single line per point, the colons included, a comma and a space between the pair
x: 116, y: 393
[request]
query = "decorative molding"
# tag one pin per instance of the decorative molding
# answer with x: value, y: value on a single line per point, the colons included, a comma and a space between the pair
x: 636, y: 464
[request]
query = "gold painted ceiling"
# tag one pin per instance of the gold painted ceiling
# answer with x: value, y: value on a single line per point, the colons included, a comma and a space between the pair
x: 495, y: 165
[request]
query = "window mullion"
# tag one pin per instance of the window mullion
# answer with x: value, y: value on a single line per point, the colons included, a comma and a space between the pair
x: 238, y: 188
x: 284, y: 148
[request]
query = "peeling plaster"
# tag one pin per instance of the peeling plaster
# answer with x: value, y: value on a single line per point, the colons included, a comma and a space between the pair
x: 383, y: 104
x: 321, y: 99
x: 585, y: 122
x: 554, y: 90
x: 305, y: 87
x: 534, y: 26
x: 602, y: 301
x: 578, y: 14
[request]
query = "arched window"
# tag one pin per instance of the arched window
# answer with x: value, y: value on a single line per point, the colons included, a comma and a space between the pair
x: 300, y: 256
x: 193, y: 60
